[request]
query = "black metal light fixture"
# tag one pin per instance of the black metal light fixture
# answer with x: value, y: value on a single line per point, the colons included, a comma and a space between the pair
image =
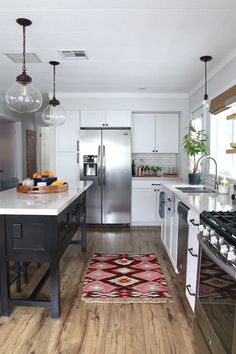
x: 54, y: 114
x: 205, y: 59
x: 23, y: 96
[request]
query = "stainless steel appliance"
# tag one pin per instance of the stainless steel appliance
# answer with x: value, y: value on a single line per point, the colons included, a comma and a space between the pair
x: 90, y: 165
x: 182, y: 240
x: 105, y: 158
x: 215, y: 312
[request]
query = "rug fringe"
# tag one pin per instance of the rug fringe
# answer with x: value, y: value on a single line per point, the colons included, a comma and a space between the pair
x: 127, y: 301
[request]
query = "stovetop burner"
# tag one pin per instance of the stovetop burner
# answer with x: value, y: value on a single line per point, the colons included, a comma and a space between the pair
x: 223, y: 222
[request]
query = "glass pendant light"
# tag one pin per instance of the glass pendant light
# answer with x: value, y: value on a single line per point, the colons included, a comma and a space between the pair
x: 23, y: 96
x: 54, y: 114
x: 205, y: 59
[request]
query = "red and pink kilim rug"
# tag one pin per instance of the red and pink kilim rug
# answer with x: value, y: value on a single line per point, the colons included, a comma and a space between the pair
x: 125, y: 278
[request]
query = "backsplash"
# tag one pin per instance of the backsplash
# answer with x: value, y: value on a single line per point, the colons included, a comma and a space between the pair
x: 165, y: 161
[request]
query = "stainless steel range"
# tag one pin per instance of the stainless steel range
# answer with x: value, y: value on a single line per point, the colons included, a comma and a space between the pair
x: 215, y: 312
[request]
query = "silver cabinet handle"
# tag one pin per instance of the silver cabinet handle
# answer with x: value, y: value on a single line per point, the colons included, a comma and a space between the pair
x: 99, y: 165
x: 104, y: 164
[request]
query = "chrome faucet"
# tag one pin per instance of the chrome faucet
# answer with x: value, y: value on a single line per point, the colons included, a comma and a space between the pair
x: 198, y: 164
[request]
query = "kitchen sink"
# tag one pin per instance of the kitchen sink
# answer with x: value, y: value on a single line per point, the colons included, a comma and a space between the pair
x: 197, y: 189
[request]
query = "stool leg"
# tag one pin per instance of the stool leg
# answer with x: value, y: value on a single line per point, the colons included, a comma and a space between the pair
x: 18, y: 277
x: 25, y: 272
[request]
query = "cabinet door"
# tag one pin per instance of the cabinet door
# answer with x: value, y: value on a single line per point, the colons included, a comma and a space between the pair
x: 118, y: 119
x: 144, y: 209
x: 68, y: 133
x: 159, y: 219
x: 192, y: 264
x: 67, y: 167
x: 93, y: 119
x: 143, y: 133
x: 168, y: 230
x: 167, y: 133
x: 174, y: 238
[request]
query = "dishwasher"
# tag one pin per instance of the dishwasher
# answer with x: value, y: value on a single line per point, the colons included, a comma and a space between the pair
x: 182, y: 240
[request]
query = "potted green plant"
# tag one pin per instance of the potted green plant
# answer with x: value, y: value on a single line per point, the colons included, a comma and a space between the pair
x: 194, y: 143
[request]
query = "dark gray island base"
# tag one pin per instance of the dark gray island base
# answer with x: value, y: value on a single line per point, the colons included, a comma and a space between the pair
x: 40, y: 239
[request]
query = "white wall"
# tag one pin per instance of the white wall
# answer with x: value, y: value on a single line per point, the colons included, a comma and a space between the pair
x: 134, y: 103
x: 27, y: 124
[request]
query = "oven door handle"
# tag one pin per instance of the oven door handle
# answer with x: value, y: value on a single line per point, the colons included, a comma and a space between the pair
x: 214, y: 256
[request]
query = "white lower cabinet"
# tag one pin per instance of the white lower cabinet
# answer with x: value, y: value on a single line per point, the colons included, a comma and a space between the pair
x: 145, y: 203
x: 192, y: 261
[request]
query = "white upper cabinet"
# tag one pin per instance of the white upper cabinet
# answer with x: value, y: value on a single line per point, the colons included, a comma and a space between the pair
x: 118, y: 118
x: 155, y: 133
x: 167, y: 132
x: 105, y: 119
x: 92, y: 119
x: 143, y: 132
x: 67, y: 133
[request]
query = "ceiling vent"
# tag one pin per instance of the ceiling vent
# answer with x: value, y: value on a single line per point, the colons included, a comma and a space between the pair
x: 73, y: 54
x: 18, y: 57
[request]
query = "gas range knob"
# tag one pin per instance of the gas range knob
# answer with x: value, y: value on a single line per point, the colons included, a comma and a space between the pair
x: 221, y: 240
x: 206, y: 232
x: 214, y: 240
x: 231, y: 256
x: 224, y: 249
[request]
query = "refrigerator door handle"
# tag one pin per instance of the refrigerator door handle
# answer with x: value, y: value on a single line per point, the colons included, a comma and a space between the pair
x: 104, y: 164
x: 99, y: 165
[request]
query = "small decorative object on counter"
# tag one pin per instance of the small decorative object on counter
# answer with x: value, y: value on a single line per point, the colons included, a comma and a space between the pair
x: 223, y: 186
x: 28, y: 182
x: 146, y: 170
x: 133, y: 168
x: 233, y: 196
x: 140, y: 170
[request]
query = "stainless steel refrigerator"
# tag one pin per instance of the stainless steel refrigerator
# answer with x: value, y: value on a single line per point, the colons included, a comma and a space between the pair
x: 105, y: 159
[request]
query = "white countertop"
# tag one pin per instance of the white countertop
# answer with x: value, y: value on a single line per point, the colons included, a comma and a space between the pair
x: 198, y: 202
x: 156, y: 178
x: 15, y: 203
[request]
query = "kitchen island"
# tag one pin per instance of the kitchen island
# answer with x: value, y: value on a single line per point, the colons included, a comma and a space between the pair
x: 38, y: 228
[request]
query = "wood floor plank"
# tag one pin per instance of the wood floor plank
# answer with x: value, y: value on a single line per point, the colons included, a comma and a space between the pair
x: 89, y: 328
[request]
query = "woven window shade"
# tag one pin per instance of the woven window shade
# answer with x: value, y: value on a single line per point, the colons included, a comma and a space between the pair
x: 218, y: 103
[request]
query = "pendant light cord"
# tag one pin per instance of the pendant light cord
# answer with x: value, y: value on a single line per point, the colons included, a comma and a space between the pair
x: 54, y: 80
x: 206, y: 95
x: 24, y: 60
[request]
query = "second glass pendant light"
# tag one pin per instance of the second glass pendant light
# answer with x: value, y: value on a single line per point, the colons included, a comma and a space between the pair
x: 54, y: 114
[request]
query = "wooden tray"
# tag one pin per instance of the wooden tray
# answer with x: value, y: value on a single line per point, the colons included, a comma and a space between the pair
x: 41, y: 190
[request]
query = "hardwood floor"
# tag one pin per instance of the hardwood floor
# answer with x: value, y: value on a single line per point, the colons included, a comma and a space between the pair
x: 102, y: 328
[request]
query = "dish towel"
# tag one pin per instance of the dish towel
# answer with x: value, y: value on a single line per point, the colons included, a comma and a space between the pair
x: 162, y: 205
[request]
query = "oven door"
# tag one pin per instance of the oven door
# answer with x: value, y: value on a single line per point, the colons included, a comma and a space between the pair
x: 215, y: 310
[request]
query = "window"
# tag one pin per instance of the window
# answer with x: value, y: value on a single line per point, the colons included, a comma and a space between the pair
x: 222, y: 133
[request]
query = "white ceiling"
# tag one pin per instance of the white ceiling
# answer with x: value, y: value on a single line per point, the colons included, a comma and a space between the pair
x: 131, y: 44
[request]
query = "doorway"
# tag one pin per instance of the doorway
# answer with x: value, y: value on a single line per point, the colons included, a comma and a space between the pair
x: 10, y: 149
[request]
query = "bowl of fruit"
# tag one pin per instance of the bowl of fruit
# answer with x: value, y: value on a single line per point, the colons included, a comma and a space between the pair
x: 45, y: 176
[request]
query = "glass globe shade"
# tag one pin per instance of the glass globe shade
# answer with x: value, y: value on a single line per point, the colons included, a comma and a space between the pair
x: 23, y: 98
x: 54, y: 115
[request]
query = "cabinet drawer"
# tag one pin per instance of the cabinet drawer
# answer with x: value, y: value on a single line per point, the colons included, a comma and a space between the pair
x: 146, y: 184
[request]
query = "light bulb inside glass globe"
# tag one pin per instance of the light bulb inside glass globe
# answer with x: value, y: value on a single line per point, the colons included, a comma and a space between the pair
x: 54, y: 115
x: 23, y: 97
x: 205, y: 103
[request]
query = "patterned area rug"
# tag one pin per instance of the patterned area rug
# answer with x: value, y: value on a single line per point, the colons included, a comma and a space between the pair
x: 125, y: 278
